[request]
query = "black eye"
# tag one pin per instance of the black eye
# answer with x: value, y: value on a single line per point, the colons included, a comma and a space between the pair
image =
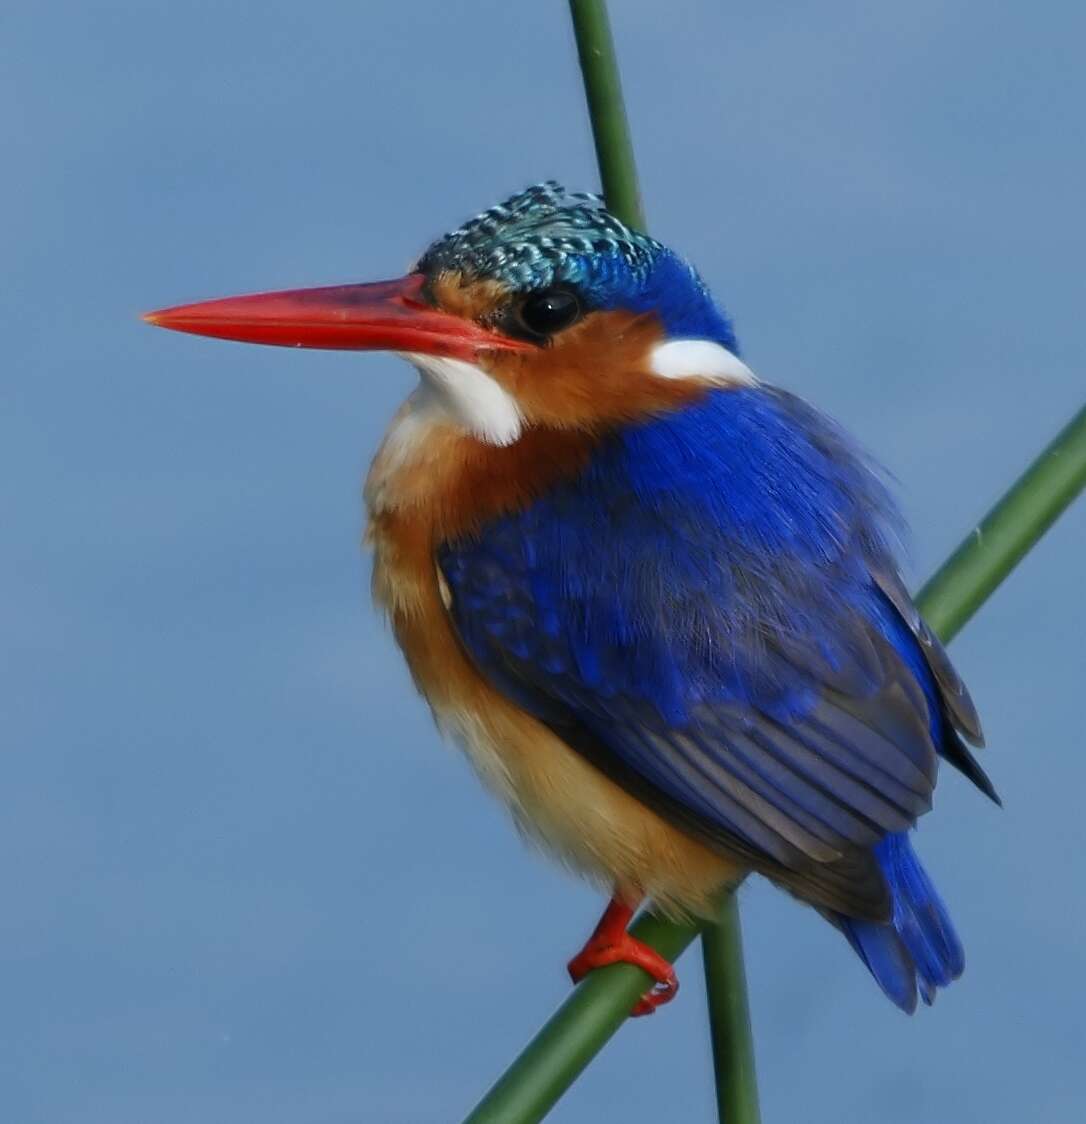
x: 550, y: 311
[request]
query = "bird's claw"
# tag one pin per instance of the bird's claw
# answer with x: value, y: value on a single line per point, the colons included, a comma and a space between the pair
x: 602, y: 950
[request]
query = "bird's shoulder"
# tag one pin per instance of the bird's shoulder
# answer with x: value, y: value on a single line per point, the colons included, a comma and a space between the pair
x: 742, y: 504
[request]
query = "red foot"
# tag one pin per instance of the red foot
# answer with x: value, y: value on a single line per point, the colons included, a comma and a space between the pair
x: 611, y: 944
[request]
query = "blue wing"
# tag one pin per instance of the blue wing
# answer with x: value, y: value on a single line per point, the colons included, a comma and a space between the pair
x: 710, y: 613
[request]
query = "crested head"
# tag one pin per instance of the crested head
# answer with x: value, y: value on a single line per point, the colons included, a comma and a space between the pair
x: 541, y: 236
x: 591, y: 326
x: 546, y: 237
x: 613, y: 327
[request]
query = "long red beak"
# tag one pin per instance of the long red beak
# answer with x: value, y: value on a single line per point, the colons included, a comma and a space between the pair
x: 383, y: 316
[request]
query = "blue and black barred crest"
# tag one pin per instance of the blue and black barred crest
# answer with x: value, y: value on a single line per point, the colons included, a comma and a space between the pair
x: 547, y: 236
x: 540, y: 236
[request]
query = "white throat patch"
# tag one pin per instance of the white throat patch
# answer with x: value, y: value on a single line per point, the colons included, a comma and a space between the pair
x: 468, y: 398
x: 704, y: 359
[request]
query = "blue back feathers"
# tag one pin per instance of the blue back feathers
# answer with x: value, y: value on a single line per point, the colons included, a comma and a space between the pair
x: 743, y: 510
x: 545, y: 236
x: 699, y: 603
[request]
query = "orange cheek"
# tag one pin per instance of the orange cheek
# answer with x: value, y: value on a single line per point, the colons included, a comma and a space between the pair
x: 593, y: 374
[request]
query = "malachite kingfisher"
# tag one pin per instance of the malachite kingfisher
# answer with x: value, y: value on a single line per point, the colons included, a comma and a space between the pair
x: 655, y: 599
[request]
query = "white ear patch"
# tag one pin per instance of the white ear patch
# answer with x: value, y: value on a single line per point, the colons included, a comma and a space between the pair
x: 468, y: 398
x: 687, y: 359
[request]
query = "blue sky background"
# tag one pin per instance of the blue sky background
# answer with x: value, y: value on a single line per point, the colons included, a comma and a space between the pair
x: 242, y: 879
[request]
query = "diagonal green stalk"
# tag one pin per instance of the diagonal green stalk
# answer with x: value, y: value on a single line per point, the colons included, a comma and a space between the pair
x: 576, y: 1032
x: 594, y: 1011
x: 1005, y: 535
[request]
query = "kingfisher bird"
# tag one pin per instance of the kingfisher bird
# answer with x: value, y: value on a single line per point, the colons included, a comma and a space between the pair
x: 654, y: 598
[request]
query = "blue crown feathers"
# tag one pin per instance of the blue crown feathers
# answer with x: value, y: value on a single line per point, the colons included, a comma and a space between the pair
x: 538, y: 237
x: 547, y: 236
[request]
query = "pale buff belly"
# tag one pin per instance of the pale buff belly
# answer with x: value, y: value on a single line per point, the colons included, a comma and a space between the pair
x: 561, y: 802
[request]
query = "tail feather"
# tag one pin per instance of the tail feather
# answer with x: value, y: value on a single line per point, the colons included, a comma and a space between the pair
x: 918, y: 951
